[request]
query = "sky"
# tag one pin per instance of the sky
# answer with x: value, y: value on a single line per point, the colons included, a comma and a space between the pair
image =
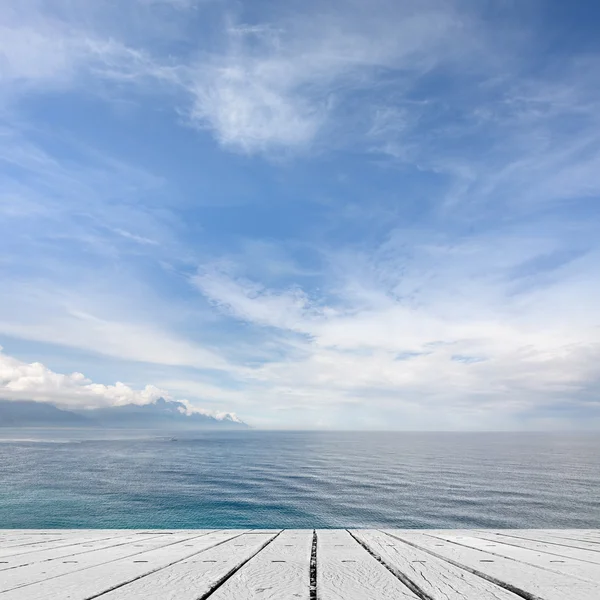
x: 332, y: 214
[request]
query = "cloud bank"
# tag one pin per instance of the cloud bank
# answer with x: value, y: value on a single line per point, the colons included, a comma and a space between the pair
x: 35, y: 381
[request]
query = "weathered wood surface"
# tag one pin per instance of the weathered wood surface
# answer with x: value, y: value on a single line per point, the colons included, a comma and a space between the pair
x: 362, y: 564
x: 278, y: 572
x: 524, y: 579
x: 346, y: 570
x: 544, y: 560
x: 429, y: 576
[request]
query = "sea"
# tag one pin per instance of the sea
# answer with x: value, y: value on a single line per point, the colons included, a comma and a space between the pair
x: 269, y: 479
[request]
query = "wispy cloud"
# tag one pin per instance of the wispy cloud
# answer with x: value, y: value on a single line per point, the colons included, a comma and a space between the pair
x: 425, y: 255
x: 444, y: 329
x: 276, y: 85
x: 272, y: 86
x: 88, y: 319
x: 50, y: 46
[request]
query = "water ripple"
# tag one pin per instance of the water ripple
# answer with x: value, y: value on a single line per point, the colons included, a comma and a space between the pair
x: 276, y: 479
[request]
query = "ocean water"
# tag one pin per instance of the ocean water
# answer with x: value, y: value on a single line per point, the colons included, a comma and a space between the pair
x: 298, y: 479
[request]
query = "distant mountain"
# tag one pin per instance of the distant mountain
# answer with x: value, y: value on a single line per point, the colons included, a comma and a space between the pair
x: 160, y: 415
x: 38, y: 414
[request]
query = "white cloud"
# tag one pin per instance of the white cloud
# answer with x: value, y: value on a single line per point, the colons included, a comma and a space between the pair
x: 253, y: 302
x: 50, y: 47
x: 455, y: 336
x: 472, y: 330
x: 140, y: 239
x: 260, y: 87
x: 275, y: 85
x: 78, y: 319
x: 189, y: 409
x: 30, y: 54
x: 34, y: 381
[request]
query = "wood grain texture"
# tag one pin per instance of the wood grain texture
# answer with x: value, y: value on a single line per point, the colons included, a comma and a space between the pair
x: 279, y: 572
x: 270, y: 564
x: 550, y: 547
x: 40, y: 571
x: 346, y: 571
x: 536, y: 558
x: 49, y: 543
x: 82, y: 546
x: 506, y: 572
x: 434, y: 578
x: 93, y: 581
x: 196, y: 576
x: 541, y: 535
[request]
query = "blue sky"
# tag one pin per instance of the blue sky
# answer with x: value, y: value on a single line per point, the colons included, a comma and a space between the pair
x: 313, y: 214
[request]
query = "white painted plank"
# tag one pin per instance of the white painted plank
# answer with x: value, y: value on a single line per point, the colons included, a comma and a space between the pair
x: 542, y: 535
x: 346, y: 571
x: 582, y: 534
x: 31, y: 540
x: 23, y: 538
x: 64, y: 535
x: 80, y: 546
x: 553, y: 548
x: 433, y: 577
x: 194, y: 577
x: 541, y: 583
x: 42, y: 570
x: 279, y: 572
x: 84, y: 544
x: 52, y: 543
x: 15, y: 544
x: 536, y: 558
x: 32, y: 536
x: 46, y: 533
x: 93, y: 581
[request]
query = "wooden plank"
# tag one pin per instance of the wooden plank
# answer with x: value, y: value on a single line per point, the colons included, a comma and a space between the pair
x: 90, y: 582
x: 81, y: 546
x: 32, y: 540
x: 540, y: 535
x: 346, y: 571
x: 23, y: 537
x: 558, y: 534
x: 274, y: 565
x: 16, y: 545
x: 196, y: 576
x: 551, y: 547
x: 7, y: 540
x: 279, y: 572
x: 24, y: 540
x: 430, y: 576
x: 591, y: 535
x: 52, y: 543
x: 54, y: 567
x: 506, y: 572
x: 536, y: 558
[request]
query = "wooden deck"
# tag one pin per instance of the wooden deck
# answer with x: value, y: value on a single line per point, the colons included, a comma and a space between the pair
x: 481, y: 564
